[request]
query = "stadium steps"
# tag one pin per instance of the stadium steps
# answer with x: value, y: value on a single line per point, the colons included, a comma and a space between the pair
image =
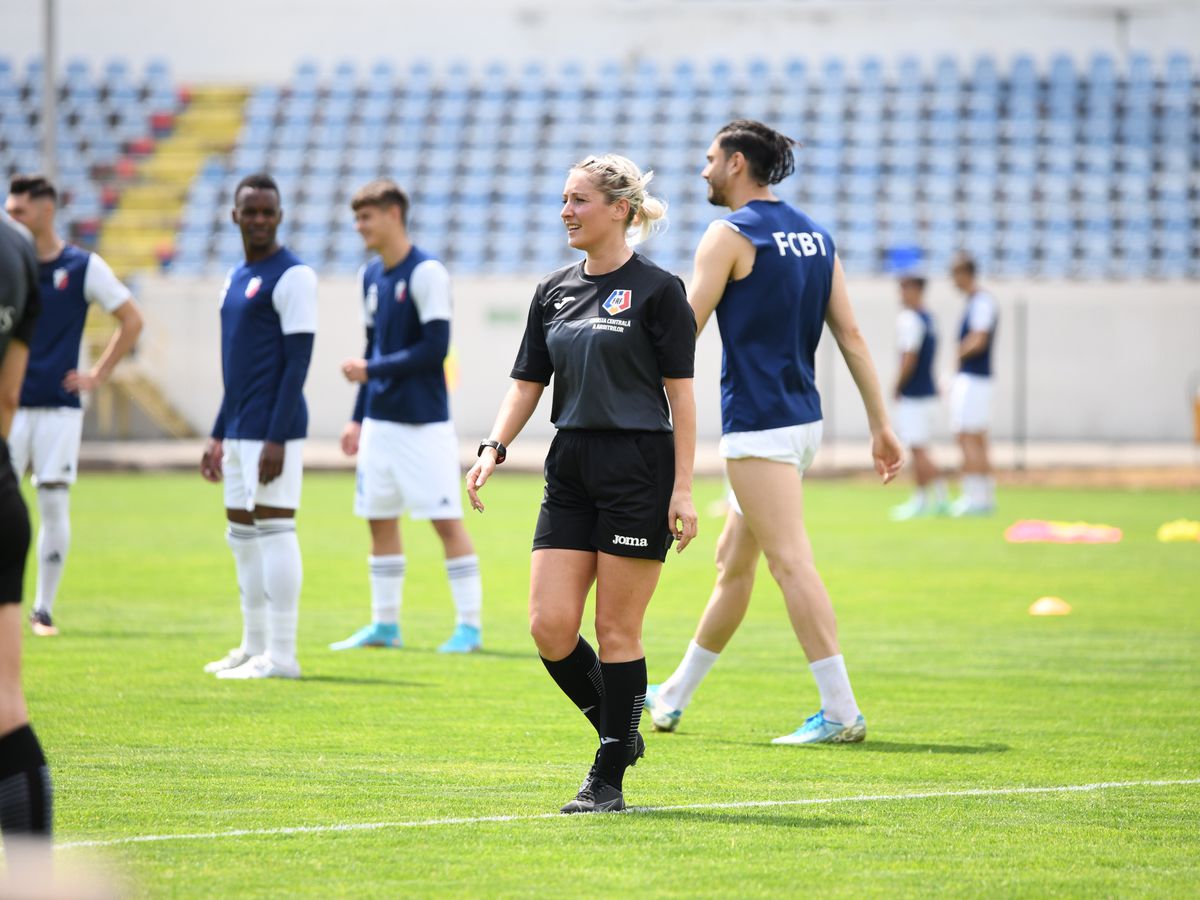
x: 141, y: 229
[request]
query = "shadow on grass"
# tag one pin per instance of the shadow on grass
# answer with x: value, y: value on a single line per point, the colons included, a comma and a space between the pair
x: 498, y: 654
x: 776, y: 819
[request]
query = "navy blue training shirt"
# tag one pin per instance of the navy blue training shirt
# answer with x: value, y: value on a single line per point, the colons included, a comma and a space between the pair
x: 406, y: 310
x: 261, y: 304
x: 771, y: 320
x: 980, y: 315
x: 68, y: 284
x: 918, y: 334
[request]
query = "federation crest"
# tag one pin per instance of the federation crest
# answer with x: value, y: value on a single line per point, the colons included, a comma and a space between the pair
x: 618, y: 302
x: 253, y: 286
x: 61, y: 279
x: 401, y: 291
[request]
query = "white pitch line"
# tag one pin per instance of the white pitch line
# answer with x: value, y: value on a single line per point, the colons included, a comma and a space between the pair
x: 743, y: 804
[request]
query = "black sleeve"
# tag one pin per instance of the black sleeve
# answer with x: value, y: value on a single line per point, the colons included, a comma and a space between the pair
x: 33, y: 299
x: 533, y: 358
x: 672, y: 328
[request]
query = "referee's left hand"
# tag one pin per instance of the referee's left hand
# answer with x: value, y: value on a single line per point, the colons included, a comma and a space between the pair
x: 681, y: 520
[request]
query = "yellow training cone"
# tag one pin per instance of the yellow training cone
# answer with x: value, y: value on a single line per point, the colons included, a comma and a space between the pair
x: 1050, y: 606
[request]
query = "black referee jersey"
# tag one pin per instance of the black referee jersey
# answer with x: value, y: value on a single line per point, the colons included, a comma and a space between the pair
x: 609, y: 341
x: 19, y: 299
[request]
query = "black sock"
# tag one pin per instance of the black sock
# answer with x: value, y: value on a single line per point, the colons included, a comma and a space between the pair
x: 25, y: 804
x: 578, y: 674
x: 624, y: 694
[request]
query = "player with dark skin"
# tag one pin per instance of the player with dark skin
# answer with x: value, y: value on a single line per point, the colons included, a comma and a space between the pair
x: 258, y: 214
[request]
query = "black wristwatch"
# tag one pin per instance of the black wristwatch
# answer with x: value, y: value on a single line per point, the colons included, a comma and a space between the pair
x: 501, y: 450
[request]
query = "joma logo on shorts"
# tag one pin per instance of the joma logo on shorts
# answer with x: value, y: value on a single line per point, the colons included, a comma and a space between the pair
x: 626, y: 541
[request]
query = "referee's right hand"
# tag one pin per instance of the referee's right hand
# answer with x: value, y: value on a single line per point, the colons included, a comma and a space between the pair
x: 478, y: 476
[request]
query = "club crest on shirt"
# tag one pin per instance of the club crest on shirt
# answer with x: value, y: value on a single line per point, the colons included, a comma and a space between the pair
x: 61, y: 279
x: 401, y: 291
x: 618, y: 302
x: 253, y: 286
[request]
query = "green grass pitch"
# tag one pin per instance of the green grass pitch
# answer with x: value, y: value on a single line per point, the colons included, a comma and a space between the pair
x: 962, y: 689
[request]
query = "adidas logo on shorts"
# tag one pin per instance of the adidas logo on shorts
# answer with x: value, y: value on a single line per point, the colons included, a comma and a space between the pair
x: 626, y: 541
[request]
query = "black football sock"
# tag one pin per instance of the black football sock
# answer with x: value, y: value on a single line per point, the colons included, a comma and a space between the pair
x: 578, y: 675
x: 624, y: 694
x: 25, y: 795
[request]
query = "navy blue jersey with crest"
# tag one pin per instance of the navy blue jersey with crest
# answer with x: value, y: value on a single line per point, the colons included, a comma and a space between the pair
x: 262, y: 302
x: 68, y: 284
x: 406, y: 310
x: 920, y: 384
x: 980, y: 315
x: 771, y: 320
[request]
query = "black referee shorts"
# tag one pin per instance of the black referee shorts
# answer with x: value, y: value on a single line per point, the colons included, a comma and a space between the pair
x: 608, y: 491
x: 14, y: 531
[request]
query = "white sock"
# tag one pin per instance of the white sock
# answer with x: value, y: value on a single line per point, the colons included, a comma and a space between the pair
x: 54, y: 540
x: 676, y: 692
x: 467, y: 589
x: 282, y: 577
x: 989, y: 489
x: 938, y: 487
x: 918, y: 496
x: 247, y: 559
x: 387, y: 587
x: 837, y: 698
x: 973, y: 490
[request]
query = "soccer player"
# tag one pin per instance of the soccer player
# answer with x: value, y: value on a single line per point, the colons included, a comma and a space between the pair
x: 616, y: 334
x: 48, y: 426
x: 971, y: 394
x: 401, y: 429
x: 773, y: 277
x: 916, y: 399
x: 268, y: 320
x: 25, y: 794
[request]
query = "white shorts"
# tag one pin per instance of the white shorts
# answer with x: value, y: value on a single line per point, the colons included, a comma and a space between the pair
x: 408, y: 469
x: 242, y: 490
x: 796, y: 445
x: 916, y: 419
x: 970, y: 403
x: 46, y: 440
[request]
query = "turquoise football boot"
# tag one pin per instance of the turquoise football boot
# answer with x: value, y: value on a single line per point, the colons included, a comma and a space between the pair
x: 374, y: 635
x: 466, y: 639
x: 664, y: 719
x: 819, y: 730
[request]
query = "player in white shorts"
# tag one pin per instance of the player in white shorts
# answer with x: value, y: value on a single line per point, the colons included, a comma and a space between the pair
x: 971, y: 394
x: 49, y: 423
x: 917, y: 399
x: 268, y: 321
x: 401, y: 429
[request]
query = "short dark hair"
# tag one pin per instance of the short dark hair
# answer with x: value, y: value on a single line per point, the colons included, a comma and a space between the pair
x: 965, y: 262
x: 34, y: 185
x: 768, y: 153
x: 918, y: 280
x: 381, y: 193
x: 259, y: 181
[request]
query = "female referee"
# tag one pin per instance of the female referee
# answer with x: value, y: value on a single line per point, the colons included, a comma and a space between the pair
x: 617, y: 334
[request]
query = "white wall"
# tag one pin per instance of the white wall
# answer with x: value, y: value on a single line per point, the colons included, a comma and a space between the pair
x: 1105, y: 362
x: 236, y: 41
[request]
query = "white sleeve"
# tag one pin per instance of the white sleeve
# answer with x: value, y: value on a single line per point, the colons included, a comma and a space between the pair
x: 101, y: 286
x: 430, y: 290
x: 370, y: 299
x: 295, y: 300
x: 910, y: 331
x: 982, y: 316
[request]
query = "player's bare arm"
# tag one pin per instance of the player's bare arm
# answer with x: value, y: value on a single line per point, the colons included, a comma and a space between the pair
x: 516, y: 408
x: 681, y: 517
x: 908, y: 367
x: 722, y: 256
x: 973, y: 344
x: 885, y: 446
x: 129, y: 328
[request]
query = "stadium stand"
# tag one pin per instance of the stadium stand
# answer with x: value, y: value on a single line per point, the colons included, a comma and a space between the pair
x: 1086, y: 172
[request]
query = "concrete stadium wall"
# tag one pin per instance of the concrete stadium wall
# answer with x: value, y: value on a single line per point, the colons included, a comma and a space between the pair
x: 235, y: 41
x: 1104, y: 362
